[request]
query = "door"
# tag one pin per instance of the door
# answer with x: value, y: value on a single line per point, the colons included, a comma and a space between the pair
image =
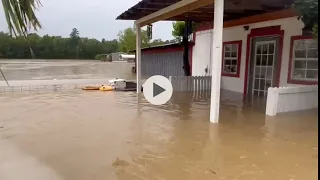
x: 263, y: 65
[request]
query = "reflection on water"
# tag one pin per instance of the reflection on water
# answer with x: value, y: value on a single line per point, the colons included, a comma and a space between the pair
x: 64, y: 69
x: 108, y: 135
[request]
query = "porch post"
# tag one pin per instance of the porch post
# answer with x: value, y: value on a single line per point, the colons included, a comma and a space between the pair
x: 216, y: 60
x: 138, y: 57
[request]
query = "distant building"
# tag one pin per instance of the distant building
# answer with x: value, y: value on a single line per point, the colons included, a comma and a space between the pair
x: 165, y: 60
x: 116, y: 56
x: 127, y: 57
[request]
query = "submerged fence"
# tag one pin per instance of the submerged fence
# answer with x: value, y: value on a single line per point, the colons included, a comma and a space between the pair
x: 50, y: 85
x: 199, y: 86
x: 190, y: 83
x: 286, y: 99
x: 54, y: 87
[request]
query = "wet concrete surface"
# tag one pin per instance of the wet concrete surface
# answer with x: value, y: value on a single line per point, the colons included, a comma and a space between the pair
x: 77, y: 135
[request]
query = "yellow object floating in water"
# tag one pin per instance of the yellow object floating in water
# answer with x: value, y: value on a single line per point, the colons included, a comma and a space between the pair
x: 106, y: 88
x: 91, y: 88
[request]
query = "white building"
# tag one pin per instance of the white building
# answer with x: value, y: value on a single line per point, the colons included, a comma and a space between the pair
x: 254, y: 45
x: 269, y: 52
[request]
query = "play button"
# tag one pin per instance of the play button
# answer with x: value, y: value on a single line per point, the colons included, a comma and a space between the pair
x: 157, y: 90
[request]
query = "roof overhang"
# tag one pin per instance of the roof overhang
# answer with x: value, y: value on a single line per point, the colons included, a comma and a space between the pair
x: 173, y: 10
x: 150, y: 11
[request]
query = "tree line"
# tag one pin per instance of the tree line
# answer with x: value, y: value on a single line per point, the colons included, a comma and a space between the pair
x: 54, y: 47
x: 72, y: 47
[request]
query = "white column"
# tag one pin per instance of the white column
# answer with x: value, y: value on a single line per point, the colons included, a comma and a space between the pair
x: 138, y: 57
x: 216, y: 60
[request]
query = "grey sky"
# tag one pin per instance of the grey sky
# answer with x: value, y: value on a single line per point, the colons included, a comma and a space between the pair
x: 93, y: 18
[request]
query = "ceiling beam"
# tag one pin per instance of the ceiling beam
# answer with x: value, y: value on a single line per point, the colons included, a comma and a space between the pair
x: 173, y: 10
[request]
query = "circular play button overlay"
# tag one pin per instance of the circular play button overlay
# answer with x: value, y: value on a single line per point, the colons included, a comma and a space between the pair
x: 157, y: 90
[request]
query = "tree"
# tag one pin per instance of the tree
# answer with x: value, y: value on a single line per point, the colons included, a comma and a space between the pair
x: 75, y: 40
x: 52, y: 47
x: 309, y: 14
x: 74, y: 34
x: 178, y: 30
x: 171, y: 41
x: 127, y: 39
x: 20, y: 16
x: 157, y: 42
x: 180, y: 33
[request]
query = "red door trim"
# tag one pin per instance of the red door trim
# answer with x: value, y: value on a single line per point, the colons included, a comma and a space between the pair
x: 260, y: 32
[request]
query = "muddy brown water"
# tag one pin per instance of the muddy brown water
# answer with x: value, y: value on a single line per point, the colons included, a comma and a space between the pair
x: 79, y: 135
x: 63, y: 69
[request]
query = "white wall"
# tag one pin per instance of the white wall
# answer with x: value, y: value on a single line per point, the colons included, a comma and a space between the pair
x: 286, y: 99
x: 202, y: 50
x: 201, y: 54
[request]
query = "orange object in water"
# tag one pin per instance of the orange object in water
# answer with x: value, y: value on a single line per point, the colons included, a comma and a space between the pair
x: 106, y: 88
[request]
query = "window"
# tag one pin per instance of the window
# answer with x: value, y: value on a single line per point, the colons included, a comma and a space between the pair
x: 303, y: 67
x: 231, y: 58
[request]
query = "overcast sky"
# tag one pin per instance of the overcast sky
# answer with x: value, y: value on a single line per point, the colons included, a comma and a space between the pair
x: 93, y: 18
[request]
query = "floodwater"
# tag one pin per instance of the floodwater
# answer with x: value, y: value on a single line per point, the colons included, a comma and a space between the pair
x: 64, y: 69
x: 78, y: 135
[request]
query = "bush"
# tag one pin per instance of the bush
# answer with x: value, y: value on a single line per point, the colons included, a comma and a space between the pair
x: 98, y: 57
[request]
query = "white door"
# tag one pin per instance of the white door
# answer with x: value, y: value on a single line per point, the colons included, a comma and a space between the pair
x: 263, y: 67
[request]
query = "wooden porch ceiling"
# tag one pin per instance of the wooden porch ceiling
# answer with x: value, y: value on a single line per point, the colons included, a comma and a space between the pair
x: 234, y: 9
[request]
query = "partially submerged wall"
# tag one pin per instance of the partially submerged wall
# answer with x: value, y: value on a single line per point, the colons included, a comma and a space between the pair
x: 287, y: 99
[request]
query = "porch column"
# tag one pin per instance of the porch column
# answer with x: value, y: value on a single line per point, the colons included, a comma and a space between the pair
x: 138, y: 57
x: 216, y: 60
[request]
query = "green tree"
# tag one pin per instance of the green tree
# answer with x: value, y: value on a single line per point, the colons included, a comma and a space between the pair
x: 309, y: 14
x: 20, y: 16
x: 74, y: 35
x: 178, y: 29
x: 127, y: 39
x: 157, y: 42
x: 53, y: 47
x: 75, y: 41
x: 171, y: 41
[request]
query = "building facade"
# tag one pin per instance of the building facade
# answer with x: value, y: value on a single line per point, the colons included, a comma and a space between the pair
x: 268, y: 53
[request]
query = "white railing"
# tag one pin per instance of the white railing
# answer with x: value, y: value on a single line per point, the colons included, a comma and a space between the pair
x: 190, y: 83
x: 286, y: 99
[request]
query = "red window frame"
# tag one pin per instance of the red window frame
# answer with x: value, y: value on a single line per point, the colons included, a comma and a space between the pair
x: 290, y: 80
x: 237, y: 74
